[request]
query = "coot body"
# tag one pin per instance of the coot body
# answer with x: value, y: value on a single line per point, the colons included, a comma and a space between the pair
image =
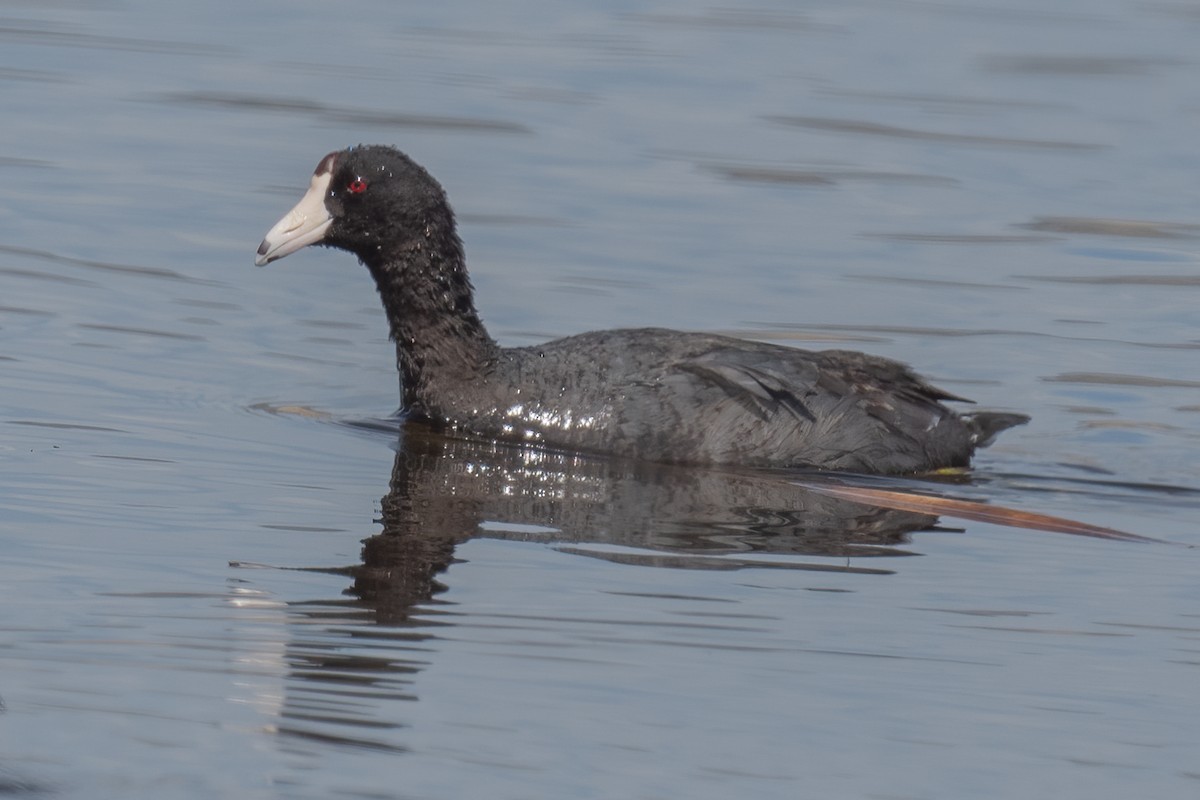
x: 647, y: 393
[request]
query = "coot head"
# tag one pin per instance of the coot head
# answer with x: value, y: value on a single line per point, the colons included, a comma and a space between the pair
x: 369, y: 200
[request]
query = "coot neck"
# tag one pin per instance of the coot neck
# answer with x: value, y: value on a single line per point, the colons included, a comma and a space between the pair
x: 440, y: 340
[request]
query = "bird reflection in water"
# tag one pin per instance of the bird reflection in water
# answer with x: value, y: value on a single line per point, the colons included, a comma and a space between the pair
x: 445, y: 491
x: 346, y: 662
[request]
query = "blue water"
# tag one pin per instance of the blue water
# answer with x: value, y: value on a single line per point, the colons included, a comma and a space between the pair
x: 1002, y: 196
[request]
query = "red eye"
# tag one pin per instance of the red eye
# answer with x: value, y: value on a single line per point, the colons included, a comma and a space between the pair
x: 356, y: 186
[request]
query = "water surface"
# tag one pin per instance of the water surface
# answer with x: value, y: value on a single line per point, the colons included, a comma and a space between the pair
x: 223, y: 575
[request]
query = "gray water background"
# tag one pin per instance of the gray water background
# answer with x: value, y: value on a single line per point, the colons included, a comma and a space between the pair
x: 1003, y: 194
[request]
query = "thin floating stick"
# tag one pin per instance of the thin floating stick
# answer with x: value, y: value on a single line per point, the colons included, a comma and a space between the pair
x: 971, y: 510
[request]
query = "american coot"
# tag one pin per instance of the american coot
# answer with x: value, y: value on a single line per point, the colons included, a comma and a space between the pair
x: 647, y: 393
